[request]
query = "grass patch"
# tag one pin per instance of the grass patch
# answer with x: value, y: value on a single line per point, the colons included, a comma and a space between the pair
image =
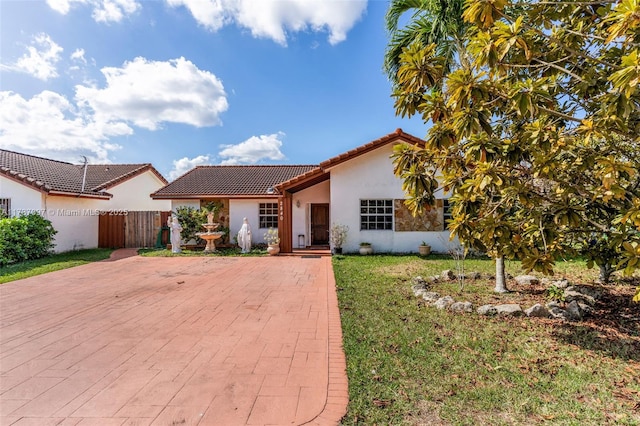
x: 51, y: 263
x: 409, y: 363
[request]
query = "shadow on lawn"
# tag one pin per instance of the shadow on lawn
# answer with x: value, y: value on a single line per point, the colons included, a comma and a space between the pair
x: 613, y: 329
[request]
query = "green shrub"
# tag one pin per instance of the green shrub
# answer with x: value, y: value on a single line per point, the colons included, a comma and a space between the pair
x: 191, y: 220
x: 25, y: 237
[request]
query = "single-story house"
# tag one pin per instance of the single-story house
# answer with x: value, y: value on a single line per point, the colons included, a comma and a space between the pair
x: 357, y: 189
x: 74, y: 197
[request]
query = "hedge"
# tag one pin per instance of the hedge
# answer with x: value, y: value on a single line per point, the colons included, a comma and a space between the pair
x: 25, y: 237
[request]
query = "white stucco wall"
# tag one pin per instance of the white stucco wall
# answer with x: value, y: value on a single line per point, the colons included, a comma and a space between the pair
x: 73, y: 218
x: 239, y: 209
x: 24, y: 199
x: 76, y: 221
x: 301, y: 216
x: 370, y: 176
x: 134, y: 194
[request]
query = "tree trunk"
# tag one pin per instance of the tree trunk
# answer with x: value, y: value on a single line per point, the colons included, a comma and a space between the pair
x: 605, y: 273
x: 501, y: 282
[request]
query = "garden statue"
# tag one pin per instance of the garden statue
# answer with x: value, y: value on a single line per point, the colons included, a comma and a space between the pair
x: 176, y: 238
x: 244, y: 236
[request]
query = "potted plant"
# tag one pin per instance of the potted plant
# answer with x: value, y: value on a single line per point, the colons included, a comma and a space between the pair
x: 365, y: 248
x: 273, y: 241
x: 338, y: 237
x: 424, y: 249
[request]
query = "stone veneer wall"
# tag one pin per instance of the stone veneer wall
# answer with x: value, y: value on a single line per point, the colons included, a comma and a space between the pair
x: 222, y: 216
x: 429, y: 220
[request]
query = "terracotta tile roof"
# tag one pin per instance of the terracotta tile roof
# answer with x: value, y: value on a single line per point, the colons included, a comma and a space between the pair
x: 104, y: 176
x: 239, y: 181
x: 243, y: 181
x: 60, y: 177
x: 303, y: 181
x: 398, y: 135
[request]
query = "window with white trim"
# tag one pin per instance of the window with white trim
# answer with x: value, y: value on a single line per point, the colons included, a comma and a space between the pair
x: 376, y: 215
x: 5, y: 207
x: 268, y: 215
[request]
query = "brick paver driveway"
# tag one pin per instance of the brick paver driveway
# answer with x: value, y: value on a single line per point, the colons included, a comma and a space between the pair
x: 173, y: 341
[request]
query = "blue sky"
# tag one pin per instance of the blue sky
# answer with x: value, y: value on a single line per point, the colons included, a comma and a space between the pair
x: 179, y: 83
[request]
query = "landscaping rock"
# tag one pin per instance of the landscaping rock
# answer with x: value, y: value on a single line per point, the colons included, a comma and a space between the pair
x: 538, y: 311
x: 487, y: 310
x: 589, y: 290
x: 586, y: 309
x: 558, y: 313
x: 527, y: 280
x: 570, y: 296
x: 461, y: 307
x: 448, y: 275
x: 475, y: 275
x: 574, y: 313
x: 430, y: 296
x: 419, y: 281
x: 560, y: 283
x: 509, y: 309
x: 418, y: 291
x: 444, y: 302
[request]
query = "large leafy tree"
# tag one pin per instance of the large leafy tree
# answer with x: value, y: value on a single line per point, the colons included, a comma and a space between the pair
x: 537, y: 140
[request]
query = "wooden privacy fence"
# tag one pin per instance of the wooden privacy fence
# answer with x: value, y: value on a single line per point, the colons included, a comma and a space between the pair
x: 133, y: 229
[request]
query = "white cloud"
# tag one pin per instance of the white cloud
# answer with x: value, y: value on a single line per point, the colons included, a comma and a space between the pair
x: 185, y: 164
x: 49, y: 125
x: 78, y: 55
x: 114, y: 10
x: 253, y: 150
x: 103, y: 10
x: 274, y: 19
x: 40, y: 59
x: 148, y: 93
x: 143, y: 93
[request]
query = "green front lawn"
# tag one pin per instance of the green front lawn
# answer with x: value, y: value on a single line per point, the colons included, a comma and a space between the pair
x: 51, y: 263
x: 409, y: 363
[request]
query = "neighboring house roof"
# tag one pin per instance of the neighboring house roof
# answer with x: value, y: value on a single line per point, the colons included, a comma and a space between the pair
x: 104, y: 176
x: 230, y: 181
x: 61, y: 178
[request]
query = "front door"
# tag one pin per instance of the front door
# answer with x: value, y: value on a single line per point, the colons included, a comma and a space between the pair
x: 319, y: 224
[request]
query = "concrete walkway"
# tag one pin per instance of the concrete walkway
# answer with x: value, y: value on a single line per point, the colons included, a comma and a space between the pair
x: 174, y: 341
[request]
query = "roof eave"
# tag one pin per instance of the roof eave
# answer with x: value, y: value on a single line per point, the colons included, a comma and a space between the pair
x: 102, y: 196
x: 204, y: 196
x: 396, y: 136
x: 25, y: 180
x: 125, y: 177
x: 304, y: 181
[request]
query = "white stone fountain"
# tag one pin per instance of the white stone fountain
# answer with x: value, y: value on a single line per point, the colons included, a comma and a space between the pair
x: 211, y: 235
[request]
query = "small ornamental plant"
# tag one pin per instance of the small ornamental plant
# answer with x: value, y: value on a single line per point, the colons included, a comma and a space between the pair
x: 272, y: 237
x: 338, y: 235
x: 556, y: 294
